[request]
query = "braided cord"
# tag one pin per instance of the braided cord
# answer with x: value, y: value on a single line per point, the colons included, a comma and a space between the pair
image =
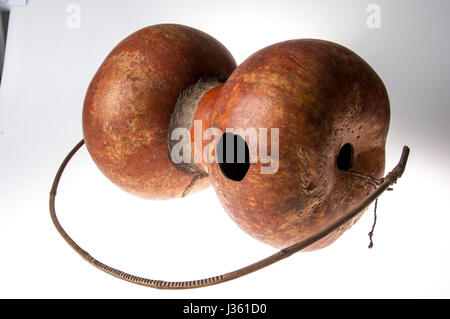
x: 390, y: 179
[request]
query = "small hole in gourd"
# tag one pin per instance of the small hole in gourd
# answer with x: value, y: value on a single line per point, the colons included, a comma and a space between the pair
x: 344, y: 160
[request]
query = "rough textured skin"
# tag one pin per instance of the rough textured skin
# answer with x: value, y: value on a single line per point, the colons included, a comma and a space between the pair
x: 129, y: 102
x: 320, y: 95
x: 183, y: 117
x: 203, y: 112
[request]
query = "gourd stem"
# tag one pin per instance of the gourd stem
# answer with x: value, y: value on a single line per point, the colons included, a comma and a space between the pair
x: 390, y: 179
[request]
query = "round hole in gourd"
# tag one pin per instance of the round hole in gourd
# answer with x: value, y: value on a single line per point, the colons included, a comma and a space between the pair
x: 233, y: 156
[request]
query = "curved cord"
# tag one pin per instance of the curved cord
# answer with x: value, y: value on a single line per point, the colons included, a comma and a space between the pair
x: 390, y: 179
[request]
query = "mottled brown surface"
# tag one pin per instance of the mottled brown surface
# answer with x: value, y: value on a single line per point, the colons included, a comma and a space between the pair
x: 131, y: 97
x: 320, y: 95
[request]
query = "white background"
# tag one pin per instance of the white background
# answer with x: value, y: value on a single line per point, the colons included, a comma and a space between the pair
x: 47, y: 69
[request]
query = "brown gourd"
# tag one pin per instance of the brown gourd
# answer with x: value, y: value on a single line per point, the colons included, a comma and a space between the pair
x: 330, y: 109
